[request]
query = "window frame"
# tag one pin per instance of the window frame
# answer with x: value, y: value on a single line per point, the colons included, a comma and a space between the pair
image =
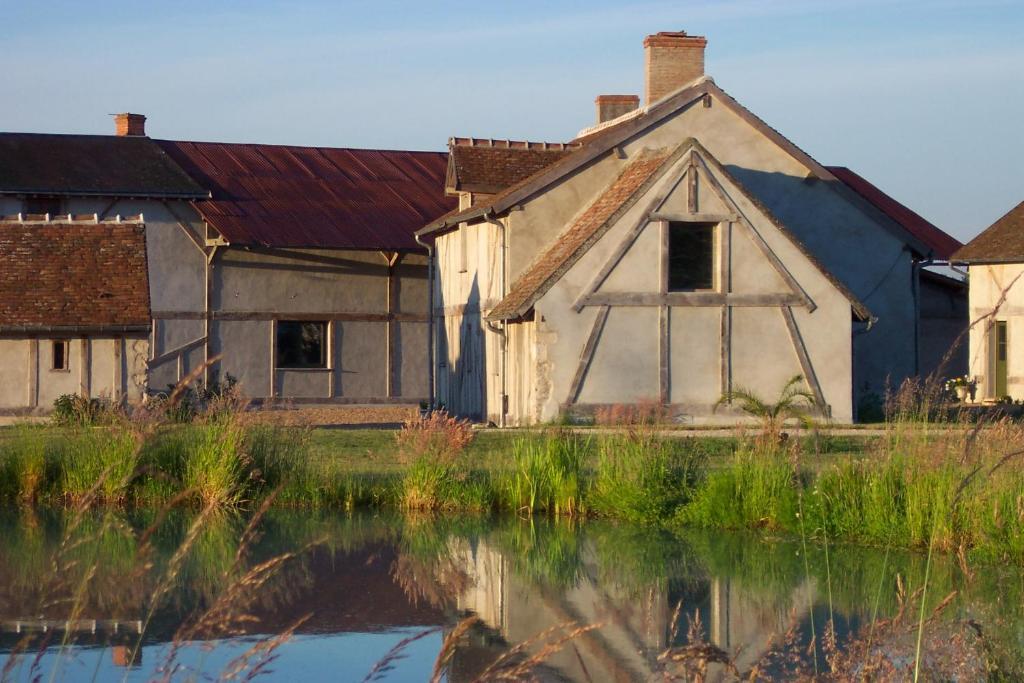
x: 325, y: 354
x: 714, y: 256
x: 66, y: 345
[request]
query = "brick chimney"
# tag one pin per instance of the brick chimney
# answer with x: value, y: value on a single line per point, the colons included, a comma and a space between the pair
x: 672, y: 59
x: 130, y: 124
x: 613, y: 106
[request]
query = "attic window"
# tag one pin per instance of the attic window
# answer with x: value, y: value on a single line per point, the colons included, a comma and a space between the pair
x: 42, y: 205
x: 301, y: 344
x: 691, y: 256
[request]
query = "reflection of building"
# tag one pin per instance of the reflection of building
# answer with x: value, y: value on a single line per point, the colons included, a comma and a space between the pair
x: 636, y: 621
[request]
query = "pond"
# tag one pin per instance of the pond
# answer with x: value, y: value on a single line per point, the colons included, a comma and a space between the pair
x: 318, y: 596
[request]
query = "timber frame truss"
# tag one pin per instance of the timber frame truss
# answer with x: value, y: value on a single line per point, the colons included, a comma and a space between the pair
x: 694, y: 170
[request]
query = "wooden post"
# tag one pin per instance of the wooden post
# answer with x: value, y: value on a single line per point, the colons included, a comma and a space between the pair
x: 805, y: 359
x: 691, y: 195
x: 587, y: 354
x: 273, y: 358
x: 84, y: 370
x: 117, y: 379
x: 725, y: 269
x: 664, y: 347
x: 392, y: 289
x: 33, y: 372
x: 330, y: 358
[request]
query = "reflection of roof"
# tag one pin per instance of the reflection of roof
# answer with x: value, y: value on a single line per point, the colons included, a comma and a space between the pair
x: 73, y: 275
x: 90, y: 165
x: 941, y: 244
x: 288, y: 196
x: 621, y: 194
x: 490, y: 166
x: 1003, y: 241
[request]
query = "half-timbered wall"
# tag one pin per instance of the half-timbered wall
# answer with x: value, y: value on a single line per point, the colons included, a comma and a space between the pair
x: 610, y: 332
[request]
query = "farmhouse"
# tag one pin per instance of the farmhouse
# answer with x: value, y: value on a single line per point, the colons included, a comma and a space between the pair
x: 671, y: 253
x: 132, y: 262
x: 996, y: 261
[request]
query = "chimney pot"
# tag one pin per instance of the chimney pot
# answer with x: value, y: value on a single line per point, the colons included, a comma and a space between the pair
x: 613, y: 106
x: 672, y: 59
x: 130, y: 124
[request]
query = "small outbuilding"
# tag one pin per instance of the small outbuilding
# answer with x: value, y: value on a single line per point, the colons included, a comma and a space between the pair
x: 996, y: 262
x: 74, y: 310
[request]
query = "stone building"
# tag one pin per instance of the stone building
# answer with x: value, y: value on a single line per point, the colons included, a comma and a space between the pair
x: 670, y: 253
x: 296, y: 266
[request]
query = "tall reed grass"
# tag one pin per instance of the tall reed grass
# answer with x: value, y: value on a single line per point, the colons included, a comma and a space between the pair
x: 546, y: 475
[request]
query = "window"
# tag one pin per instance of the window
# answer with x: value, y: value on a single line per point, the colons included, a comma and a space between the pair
x: 41, y: 205
x: 691, y: 256
x: 301, y: 344
x: 60, y: 354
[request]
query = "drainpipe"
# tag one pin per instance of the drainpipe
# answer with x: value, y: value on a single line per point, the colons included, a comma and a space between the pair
x: 431, y: 387
x: 502, y: 331
x: 208, y: 313
x: 915, y: 284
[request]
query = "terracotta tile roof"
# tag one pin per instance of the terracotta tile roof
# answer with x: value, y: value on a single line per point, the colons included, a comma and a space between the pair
x: 941, y: 244
x: 63, y: 275
x: 621, y: 194
x: 1001, y: 242
x: 474, y: 166
x: 90, y: 165
x: 289, y: 196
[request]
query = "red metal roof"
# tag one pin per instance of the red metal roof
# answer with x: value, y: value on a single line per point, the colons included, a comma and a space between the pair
x: 941, y: 244
x: 287, y: 196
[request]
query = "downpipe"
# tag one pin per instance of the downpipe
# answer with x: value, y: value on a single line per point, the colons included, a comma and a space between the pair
x: 500, y: 331
x: 431, y: 361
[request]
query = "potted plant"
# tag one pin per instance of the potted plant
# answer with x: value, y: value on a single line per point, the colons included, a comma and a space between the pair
x: 963, y: 387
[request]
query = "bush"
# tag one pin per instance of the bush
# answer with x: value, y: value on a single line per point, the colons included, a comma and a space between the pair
x: 75, y: 410
x: 432, y: 445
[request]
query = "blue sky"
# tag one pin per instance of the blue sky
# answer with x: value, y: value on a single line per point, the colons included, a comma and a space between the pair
x: 926, y: 99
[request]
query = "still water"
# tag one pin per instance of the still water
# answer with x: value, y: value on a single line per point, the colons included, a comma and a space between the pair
x: 136, y: 597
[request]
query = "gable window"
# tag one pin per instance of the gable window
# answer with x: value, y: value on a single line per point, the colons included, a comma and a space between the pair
x: 301, y: 344
x: 59, y: 357
x: 691, y: 256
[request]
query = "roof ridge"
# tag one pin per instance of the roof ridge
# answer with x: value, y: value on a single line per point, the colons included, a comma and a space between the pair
x: 294, y: 146
x: 540, y: 145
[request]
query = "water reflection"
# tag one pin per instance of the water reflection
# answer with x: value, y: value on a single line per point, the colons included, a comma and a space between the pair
x: 82, y: 589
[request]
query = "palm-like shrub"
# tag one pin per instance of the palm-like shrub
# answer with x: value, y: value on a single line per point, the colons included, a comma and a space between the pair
x: 794, y: 403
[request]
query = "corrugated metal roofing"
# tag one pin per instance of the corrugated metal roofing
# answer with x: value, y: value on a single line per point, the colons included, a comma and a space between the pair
x: 289, y: 196
x: 90, y: 165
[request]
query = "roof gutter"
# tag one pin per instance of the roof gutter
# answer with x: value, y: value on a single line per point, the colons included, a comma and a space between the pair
x: 6, y: 330
x: 124, y: 194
